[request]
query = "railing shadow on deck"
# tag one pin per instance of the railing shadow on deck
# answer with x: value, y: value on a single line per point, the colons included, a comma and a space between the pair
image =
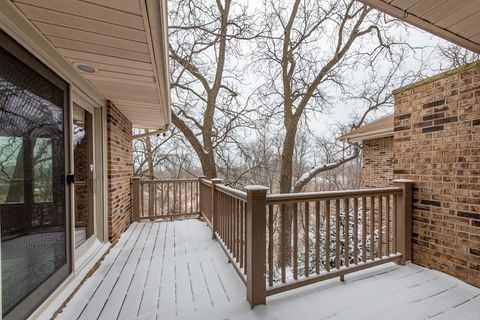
x: 331, y: 234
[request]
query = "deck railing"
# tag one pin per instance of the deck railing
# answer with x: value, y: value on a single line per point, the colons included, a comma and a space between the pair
x: 154, y: 199
x: 331, y: 233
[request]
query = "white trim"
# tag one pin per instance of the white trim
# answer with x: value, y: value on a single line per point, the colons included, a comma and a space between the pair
x: 48, y: 308
x: 380, y: 133
x: 156, y: 27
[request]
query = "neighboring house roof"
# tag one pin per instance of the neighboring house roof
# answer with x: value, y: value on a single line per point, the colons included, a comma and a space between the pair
x: 380, y: 128
x: 453, y: 20
x: 122, y: 43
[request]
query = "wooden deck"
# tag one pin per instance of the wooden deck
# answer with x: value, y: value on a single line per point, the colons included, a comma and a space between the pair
x: 173, y: 270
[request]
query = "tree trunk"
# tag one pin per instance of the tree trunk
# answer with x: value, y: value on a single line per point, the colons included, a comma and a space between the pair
x: 286, y: 172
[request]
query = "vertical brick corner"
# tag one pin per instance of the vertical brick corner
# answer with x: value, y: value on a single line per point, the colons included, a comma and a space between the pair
x: 441, y: 151
x: 120, y: 171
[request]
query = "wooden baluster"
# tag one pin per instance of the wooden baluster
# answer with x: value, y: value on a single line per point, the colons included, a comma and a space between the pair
x: 394, y: 223
x: 168, y: 198
x: 178, y: 198
x: 387, y: 219
x: 327, y: 238
x: 142, y: 200
x: 239, y: 230
x: 155, y: 201
x: 244, y: 209
x: 175, y: 199
x: 270, y: 245
x: 355, y: 230
x: 364, y: 229
x: 232, y: 224
x: 235, y: 253
x: 337, y: 233
x: 295, y: 241
x: 215, y: 205
x: 317, y: 237
x: 235, y: 228
x: 162, y: 203
x: 283, y: 242
x: 242, y: 233
x: 380, y: 227
x: 185, y: 198
x: 372, y: 228
x: 346, y: 240
x: 229, y: 217
x: 307, y: 243
x: 222, y: 214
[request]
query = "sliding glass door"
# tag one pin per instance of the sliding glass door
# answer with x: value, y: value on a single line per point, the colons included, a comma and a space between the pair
x: 35, y: 238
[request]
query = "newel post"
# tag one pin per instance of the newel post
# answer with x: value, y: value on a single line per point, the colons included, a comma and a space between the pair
x: 215, y: 181
x: 136, y: 198
x: 256, y: 243
x: 200, y: 195
x: 404, y: 219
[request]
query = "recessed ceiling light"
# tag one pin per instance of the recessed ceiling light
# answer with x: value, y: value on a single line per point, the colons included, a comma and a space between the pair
x: 84, y: 67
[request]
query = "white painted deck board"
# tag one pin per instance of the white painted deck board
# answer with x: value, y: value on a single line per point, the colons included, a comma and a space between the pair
x: 173, y: 270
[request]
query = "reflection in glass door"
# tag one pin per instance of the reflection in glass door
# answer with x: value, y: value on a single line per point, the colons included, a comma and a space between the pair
x: 84, y: 170
x: 35, y: 257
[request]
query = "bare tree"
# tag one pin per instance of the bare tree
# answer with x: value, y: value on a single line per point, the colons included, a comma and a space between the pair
x: 204, y: 41
x: 456, y: 56
x: 305, y: 54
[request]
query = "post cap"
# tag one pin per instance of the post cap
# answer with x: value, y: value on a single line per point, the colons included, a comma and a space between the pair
x: 256, y: 188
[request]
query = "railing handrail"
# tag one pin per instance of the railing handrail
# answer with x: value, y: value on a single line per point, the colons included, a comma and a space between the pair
x: 329, y: 195
x: 240, y: 195
x: 147, y: 181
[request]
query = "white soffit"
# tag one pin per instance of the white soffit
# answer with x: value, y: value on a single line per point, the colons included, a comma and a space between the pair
x: 125, y: 41
x: 457, y: 21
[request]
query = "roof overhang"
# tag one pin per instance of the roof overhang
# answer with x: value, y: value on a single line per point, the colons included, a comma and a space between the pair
x: 124, y: 42
x: 454, y: 20
x: 379, y: 128
x: 382, y: 133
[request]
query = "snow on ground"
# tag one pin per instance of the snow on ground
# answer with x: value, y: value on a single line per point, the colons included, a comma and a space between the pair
x: 173, y: 270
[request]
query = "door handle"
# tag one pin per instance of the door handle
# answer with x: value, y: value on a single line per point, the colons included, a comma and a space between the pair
x: 70, y: 178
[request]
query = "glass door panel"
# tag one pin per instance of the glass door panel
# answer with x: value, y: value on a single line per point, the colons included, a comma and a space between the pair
x: 33, y: 203
x: 83, y: 169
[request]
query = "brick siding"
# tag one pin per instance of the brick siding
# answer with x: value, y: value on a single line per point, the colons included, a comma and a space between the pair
x: 377, y: 163
x: 437, y: 143
x: 120, y: 171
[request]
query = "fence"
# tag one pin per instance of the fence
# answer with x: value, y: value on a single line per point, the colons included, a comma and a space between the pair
x: 279, y: 242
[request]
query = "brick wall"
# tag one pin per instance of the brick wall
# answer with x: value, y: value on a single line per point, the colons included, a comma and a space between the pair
x: 377, y: 163
x: 120, y: 171
x: 437, y: 143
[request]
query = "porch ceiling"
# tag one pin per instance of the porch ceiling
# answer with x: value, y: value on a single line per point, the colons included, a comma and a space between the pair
x: 454, y: 20
x: 125, y: 41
